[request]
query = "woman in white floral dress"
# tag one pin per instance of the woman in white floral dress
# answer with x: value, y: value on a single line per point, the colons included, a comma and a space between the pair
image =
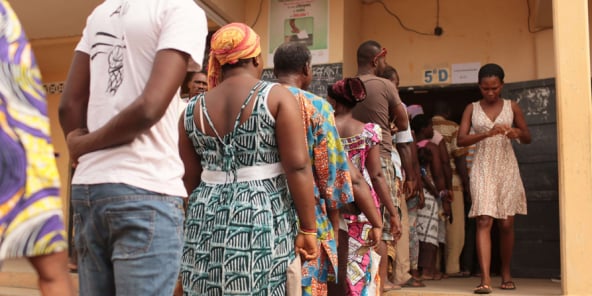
x: 496, y: 186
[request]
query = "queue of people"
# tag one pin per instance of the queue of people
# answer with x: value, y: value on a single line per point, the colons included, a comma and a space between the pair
x: 261, y: 188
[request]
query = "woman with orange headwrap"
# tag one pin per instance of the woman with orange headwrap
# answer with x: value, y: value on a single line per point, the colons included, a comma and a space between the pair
x: 242, y: 143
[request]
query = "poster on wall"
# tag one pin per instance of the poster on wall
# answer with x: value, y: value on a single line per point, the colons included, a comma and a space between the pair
x: 305, y: 21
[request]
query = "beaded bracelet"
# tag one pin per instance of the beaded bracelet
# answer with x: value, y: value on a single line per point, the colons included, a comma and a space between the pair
x: 307, y: 232
x: 308, y: 229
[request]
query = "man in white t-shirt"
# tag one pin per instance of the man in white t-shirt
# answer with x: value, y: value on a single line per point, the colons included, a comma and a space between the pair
x: 119, y: 112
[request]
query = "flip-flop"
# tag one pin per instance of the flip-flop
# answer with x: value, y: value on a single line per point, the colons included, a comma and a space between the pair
x: 508, y: 285
x: 413, y: 283
x: 482, y: 289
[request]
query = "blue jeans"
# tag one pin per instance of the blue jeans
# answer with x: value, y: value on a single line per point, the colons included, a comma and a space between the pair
x: 129, y: 240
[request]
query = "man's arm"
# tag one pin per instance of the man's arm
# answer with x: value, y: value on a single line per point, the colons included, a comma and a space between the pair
x: 436, y: 167
x: 167, y: 73
x: 191, y: 160
x: 397, y: 112
x: 406, y: 155
x: 446, y: 168
x: 416, y: 169
x: 74, y: 100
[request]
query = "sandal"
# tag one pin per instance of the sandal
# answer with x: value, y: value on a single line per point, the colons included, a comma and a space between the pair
x: 482, y: 289
x: 508, y: 285
x: 413, y: 283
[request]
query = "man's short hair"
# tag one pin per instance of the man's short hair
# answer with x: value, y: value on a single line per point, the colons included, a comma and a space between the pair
x: 290, y: 57
x: 367, y: 51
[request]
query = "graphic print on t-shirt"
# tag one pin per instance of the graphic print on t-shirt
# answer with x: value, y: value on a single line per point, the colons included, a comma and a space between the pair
x: 113, y: 46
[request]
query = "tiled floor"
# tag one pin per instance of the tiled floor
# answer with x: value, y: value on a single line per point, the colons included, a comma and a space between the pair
x: 18, y: 279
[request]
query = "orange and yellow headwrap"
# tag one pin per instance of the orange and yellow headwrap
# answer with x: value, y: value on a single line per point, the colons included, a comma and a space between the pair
x: 229, y: 44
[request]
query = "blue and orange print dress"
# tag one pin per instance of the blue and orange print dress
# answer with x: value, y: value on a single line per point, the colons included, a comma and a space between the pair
x: 31, y: 217
x: 332, y: 186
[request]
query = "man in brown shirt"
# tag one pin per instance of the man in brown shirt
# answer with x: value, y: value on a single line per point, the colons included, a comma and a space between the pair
x: 382, y: 106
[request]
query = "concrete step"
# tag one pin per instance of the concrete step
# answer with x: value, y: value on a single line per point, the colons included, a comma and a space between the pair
x: 19, y: 279
x: 18, y: 276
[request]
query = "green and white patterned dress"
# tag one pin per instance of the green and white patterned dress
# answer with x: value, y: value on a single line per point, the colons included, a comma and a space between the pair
x: 241, y: 221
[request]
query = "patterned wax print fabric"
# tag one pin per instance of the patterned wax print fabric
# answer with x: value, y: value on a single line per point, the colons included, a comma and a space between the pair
x: 412, y: 208
x: 429, y: 218
x: 449, y: 131
x: 241, y: 221
x: 31, y: 217
x: 359, y: 261
x: 332, y: 186
x: 428, y: 222
x: 496, y: 186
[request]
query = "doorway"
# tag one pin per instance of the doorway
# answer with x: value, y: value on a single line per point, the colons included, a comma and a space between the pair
x: 458, y: 95
x: 536, y: 250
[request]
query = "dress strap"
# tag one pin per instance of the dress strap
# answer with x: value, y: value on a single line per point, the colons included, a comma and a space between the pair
x: 201, y: 122
x: 228, y: 149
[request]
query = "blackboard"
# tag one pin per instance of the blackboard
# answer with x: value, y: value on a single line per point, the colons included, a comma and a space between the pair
x: 536, y: 99
x: 322, y: 74
x: 537, y: 234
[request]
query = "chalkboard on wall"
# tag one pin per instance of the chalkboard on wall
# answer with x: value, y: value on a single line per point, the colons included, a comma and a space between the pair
x: 536, y: 99
x: 322, y: 74
x: 537, y: 234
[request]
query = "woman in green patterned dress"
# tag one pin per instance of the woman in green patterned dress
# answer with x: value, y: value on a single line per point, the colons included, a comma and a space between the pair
x: 242, y: 143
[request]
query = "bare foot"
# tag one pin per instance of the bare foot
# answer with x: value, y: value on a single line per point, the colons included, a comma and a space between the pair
x: 388, y: 286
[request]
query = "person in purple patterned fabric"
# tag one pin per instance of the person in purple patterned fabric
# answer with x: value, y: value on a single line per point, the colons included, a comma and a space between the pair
x: 361, y: 142
x: 31, y: 214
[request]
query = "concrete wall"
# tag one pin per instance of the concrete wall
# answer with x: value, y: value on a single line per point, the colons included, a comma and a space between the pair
x: 474, y: 31
x: 496, y: 32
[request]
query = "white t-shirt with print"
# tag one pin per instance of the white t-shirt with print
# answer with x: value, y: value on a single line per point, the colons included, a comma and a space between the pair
x: 122, y: 38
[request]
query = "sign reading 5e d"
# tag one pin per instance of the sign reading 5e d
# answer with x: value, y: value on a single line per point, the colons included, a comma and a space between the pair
x: 436, y: 76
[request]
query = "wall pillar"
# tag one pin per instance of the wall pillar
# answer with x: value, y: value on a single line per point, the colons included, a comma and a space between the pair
x: 574, y: 134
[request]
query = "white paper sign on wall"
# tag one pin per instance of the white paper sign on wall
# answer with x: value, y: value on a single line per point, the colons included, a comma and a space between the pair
x: 465, y: 73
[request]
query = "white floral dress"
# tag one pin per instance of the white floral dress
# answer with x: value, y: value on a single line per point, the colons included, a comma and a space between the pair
x: 496, y: 186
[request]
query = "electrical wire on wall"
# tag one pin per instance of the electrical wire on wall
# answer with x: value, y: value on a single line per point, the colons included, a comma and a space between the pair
x: 437, y: 30
x: 258, y: 14
x: 528, y: 21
